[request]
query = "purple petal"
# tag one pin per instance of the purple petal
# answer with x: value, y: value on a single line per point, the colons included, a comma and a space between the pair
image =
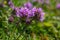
x: 58, y: 6
x: 30, y: 14
x: 28, y: 5
x: 42, y: 16
x: 34, y: 10
x: 17, y: 12
x: 11, y: 4
x: 40, y: 10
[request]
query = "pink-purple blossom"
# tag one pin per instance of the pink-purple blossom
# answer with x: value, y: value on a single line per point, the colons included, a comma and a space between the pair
x: 58, y: 6
x: 11, y: 4
x: 28, y: 13
x: 42, y: 16
x: 28, y: 5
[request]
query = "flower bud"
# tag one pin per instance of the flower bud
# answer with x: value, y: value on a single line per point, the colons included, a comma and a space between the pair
x: 11, y: 19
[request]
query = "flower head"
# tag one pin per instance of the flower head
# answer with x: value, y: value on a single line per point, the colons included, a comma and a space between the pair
x: 28, y: 5
x: 30, y: 14
x: 42, y: 16
x: 24, y: 11
x: 17, y: 11
x: 34, y: 10
x: 58, y: 6
x: 40, y: 10
x: 11, y: 4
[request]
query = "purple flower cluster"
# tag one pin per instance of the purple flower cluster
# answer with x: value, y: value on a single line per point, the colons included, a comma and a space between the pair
x: 28, y: 11
x: 25, y: 12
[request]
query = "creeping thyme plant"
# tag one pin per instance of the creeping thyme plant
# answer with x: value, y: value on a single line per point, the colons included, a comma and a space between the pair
x: 29, y: 20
